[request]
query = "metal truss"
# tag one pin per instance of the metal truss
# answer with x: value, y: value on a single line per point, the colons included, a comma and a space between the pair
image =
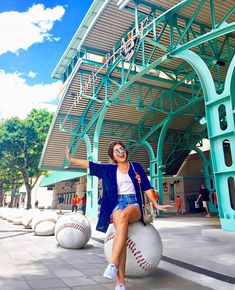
x: 184, y: 34
x: 133, y: 62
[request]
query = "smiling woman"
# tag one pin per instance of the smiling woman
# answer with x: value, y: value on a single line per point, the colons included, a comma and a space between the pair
x: 121, y: 201
x: 117, y: 149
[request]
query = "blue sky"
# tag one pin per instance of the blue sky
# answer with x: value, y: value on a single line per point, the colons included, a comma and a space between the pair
x: 34, y: 35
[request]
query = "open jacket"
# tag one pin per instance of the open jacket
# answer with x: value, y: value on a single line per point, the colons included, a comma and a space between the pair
x: 108, y: 174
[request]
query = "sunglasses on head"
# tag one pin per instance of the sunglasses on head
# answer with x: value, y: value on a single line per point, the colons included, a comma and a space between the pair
x: 119, y: 151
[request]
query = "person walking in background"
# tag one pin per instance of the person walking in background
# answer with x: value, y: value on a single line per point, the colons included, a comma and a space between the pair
x: 75, y: 202
x: 61, y: 202
x: 204, y: 195
x: 215, y: 200
x: 36, y: 204
x: 121, y: 202
x: 84, y: 203
x: 178, y: 204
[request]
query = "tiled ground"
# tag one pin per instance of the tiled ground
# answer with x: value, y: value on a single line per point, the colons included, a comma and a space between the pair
x: 32, y: 262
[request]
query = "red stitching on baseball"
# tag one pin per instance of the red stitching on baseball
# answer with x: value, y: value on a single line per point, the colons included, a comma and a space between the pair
x: 75, y: 226
x: 140, y: 259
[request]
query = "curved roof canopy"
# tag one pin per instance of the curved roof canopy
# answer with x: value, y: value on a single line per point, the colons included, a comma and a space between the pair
x: 58, y: 176
x: 122, y: 70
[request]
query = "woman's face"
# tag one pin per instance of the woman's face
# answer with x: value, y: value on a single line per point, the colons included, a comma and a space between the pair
x: 119, y: 153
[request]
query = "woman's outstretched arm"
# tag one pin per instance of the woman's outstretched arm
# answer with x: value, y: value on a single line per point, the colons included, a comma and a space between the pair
x: 78, y: 162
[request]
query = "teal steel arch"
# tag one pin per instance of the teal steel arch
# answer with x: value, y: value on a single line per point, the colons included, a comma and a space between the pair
x: 161, y: 167
x: 152, y: 158
x: 94, y: 209
x: 89, y: 187
x: 223, y: 174
x: 89, y: 195
x: 190, y: 34
x: 206, y: 164
x: 208, y: 177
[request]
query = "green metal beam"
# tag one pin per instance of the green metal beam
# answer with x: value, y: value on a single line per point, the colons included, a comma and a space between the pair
x: 204, y: 38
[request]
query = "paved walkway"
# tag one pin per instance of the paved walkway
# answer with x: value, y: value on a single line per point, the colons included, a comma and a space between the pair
x: 197, y: 255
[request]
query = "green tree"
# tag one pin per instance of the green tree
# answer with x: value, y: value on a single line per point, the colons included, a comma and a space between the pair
x: 22, y: 141
x: 10, y: 177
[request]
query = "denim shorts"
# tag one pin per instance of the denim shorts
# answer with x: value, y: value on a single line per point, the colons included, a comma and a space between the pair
x: 126, y: 199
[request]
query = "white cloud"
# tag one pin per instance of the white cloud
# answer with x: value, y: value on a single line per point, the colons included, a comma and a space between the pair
x: 17, y: 98
x: 32, y: 74
x: 20, y: 30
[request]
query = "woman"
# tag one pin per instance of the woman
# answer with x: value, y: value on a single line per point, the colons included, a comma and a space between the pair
x: 121, y: 202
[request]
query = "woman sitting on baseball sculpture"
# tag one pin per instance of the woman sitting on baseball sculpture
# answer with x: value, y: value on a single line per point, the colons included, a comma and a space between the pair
x: 121, y: 202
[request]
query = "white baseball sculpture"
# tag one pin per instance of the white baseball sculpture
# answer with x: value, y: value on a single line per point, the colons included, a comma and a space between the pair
x: 44, y: 223
x: 2, y: 211
x: 10, y: 214
x: 17, y: 218
x: 144, y: 249
x: 73, y: 231
x: 28, y: 217
x: 6, y: 211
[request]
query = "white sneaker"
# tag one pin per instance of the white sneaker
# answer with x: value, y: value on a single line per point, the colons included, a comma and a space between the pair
x: 111, y: 272
x: 120, y: 287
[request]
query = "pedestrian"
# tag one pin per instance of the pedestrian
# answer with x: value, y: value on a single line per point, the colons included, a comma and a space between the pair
x: 215, y: 198
x: 36, y: 204
x: 61, y: 202
x: 84, y: 203
x: 204, y: 195
x: 5, y: 200
x: 178, y: 204
x: 121, y: 202
x: 75, y: 202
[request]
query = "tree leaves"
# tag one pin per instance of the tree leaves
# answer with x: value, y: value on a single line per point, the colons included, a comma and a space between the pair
x: 21, y: 144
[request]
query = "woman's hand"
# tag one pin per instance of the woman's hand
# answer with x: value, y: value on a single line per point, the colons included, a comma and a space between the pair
x: 163, y: 207
x: 67, y: 153
x: 150, y: 194
x: 78, y: 162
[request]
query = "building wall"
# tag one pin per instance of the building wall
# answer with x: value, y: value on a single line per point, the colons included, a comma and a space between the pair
x: 173, y: 186
x: 191, y: 177
x: 68, y: 189
x: 44, y: 196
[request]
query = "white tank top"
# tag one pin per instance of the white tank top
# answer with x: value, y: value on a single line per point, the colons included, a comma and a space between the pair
x: 124, y: 183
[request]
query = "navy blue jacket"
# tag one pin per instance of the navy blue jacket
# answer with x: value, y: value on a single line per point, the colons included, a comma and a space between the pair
x: 108, y: 174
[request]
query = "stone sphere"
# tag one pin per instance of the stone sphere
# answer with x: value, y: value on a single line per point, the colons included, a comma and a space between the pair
x: 2, y: 211
x: 73, y: 231
x: 17, y: 217
x: 10, y: 214
x: 28, y: 217
x: 6, y: 211
x: 144, y: 249
x: 44, y: 223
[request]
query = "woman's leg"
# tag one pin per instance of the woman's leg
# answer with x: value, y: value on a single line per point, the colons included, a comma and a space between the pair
x: 122, y: 267
x: 121, y: 220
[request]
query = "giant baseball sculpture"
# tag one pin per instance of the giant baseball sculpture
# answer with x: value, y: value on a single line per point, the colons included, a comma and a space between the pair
x: 144, y: 249
x: 44, y: 223
x: 28, y: 217
x: 17, y: 218
x: 73, y: 231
